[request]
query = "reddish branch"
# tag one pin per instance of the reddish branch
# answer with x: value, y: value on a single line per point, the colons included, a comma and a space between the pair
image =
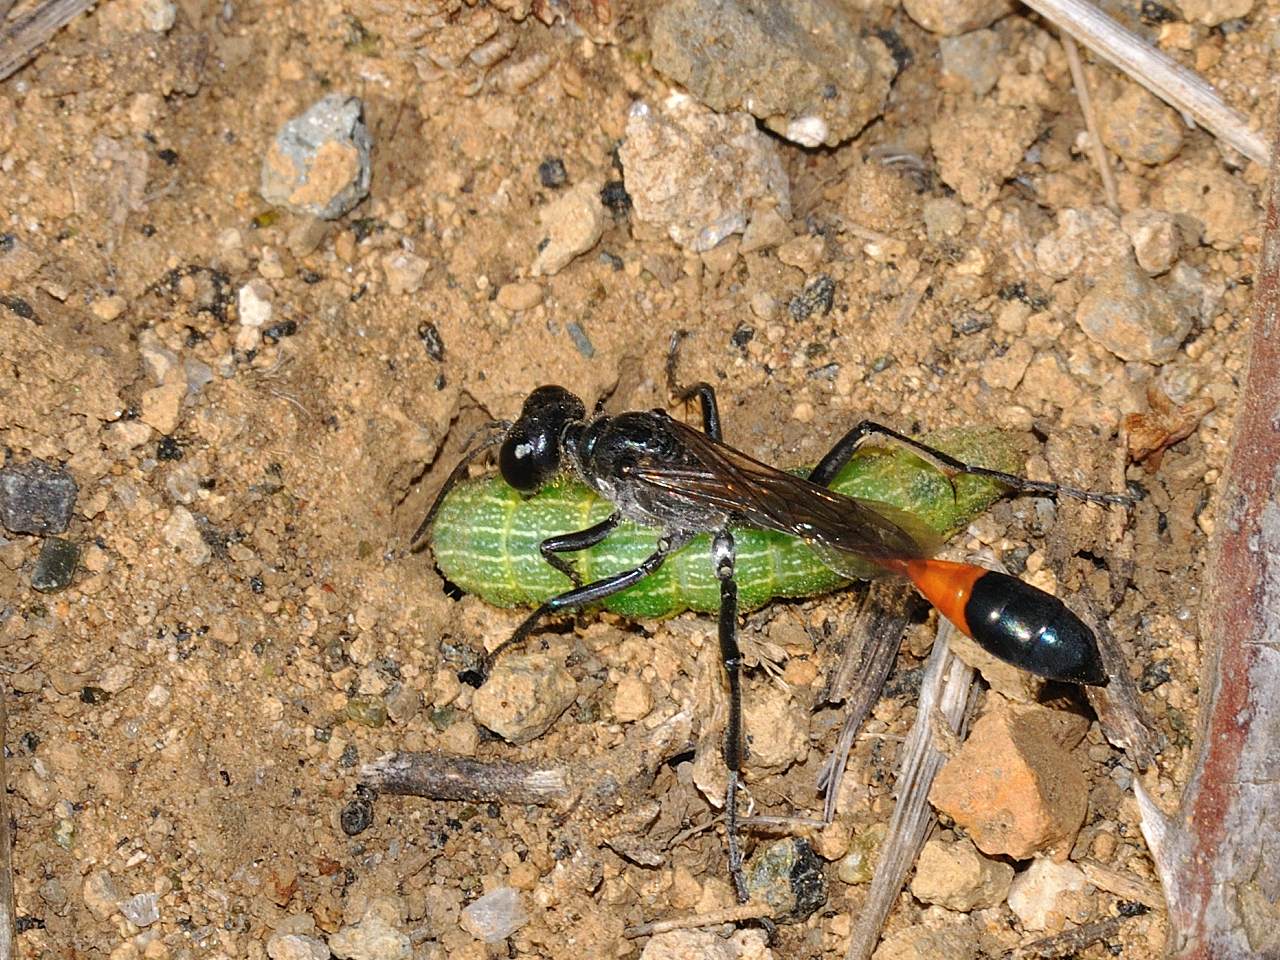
x: 1218, y: 856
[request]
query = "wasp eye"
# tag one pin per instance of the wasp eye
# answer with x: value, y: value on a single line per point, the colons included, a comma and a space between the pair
x: 527, y: 462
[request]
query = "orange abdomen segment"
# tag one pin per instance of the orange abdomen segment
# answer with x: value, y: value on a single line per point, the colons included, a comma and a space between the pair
x: 947, y: 586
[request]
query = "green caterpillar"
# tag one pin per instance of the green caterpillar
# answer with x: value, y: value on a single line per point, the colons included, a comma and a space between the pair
x: 486, y: 535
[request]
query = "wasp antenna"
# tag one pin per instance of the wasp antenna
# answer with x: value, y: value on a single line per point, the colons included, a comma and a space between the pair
x: 497, y: 430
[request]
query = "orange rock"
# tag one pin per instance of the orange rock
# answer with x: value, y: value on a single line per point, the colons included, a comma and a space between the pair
x: 1014, y: 785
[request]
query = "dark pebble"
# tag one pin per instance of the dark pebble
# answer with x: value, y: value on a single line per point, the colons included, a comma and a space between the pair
x: 94, y: 695
x: 552, y: 174
x: 356, y: 817
x: 615, y: 198
x: 36, y: 497
x: 167, y: 448
x: 788, y: 876
x: 580, y: 339
x: 431, y: 339
x: 55, y: 566
x: 818, y: 296
x: 20, y: 307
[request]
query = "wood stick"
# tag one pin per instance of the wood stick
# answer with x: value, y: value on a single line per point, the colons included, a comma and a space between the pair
x: 871, y: 648
x: 442, y: 776
x: 946, y: 687
x: 1216, y: 855
x: 1183, y: 89
x: 600, y: 783
x: 745, y: 911
x: 22, y: 39
x: 1100, y: 155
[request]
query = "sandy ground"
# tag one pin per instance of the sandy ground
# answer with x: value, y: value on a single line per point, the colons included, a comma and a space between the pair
x: 178, y: 716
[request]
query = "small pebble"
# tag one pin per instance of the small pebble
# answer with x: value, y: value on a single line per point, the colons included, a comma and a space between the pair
x: 952, y: 17
x: 1041, y: 896
x: 367, y: 710
x: 807, y: 71
x: 376, y: 936
x: 142, y: 910
x: 1155, y: 237
x: 973, y: 59
x: 100, y: 894
x: 181, y: 532
x: 55, y: 566
x: 108, y: 308
x: 356, y: 816
x: 520, y: 295
x: 552, y: 174
x: 319, y: 162
x: 958, y: 877
x: 858, y: 865
x: 787, y: 875
x: 1014, y: 786
x: 699, y: 177
x: 162, y: 406
x: 404, y: 271
x: 36, y: 497
x: 571, y: 225
x: 523, y: 696
x: 495, y: 916
x: 1133, y: 316
x: 1140, y: 127
x: 295, y: 946
x: 632, y: 700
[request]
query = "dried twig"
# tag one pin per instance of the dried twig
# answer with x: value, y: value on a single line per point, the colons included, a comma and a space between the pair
x: 869, y: 654
x: 600, y: 782
x: 1216, y: 857
x: 22, y: 39
x: 745, y: 911
x: 1183, y: 89
x: 1124, y: 885
x: 1069, y: 942
x: 946, y: 686
x: 1100, y: 157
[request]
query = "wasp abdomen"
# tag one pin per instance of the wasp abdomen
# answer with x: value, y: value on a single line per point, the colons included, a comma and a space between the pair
x: 1032, y: 630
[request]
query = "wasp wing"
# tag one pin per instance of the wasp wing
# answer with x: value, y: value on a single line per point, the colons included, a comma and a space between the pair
x: 846, y: 532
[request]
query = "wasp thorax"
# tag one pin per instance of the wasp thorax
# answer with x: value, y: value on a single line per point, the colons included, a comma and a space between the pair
x: 531, y: 453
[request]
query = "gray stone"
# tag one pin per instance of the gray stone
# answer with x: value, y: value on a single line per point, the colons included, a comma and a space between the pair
x: 973, y: 58
x: 1133, y: 316
x: 142, y: 910
x: 700, y: 177
x: 296, y: 946
x: 787, y: 875
x: 56, y: 565
x: 319, y: 163
x: 36, y: 497
x: 495, y: 916
x: 524, y: 695
x: 952, y: 17
x: 801, y: 66
x: 1141, y: 128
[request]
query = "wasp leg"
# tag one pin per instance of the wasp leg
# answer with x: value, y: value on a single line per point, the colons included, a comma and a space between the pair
x: 723, y: 556
x: 705, y: 393
x: 497, y: 431
x: 840, y: 454
x: 552, y: 547
x: 579, y: 597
